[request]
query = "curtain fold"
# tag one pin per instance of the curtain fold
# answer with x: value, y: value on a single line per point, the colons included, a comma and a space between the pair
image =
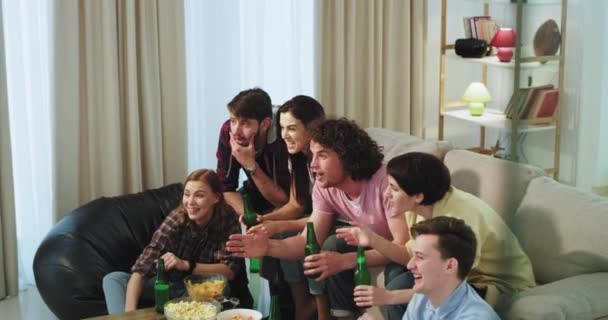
x: 8, y: 237
x: 119, y: 94
x: 370, y: 61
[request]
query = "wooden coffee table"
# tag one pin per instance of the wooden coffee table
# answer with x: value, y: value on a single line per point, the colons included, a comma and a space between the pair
x: 141, y: 314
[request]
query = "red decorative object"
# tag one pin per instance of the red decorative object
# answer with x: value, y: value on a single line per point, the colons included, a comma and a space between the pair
x: 504, y: 40
x: 504, y: 54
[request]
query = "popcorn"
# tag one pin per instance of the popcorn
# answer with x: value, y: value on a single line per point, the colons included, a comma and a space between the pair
x: 190, y: 310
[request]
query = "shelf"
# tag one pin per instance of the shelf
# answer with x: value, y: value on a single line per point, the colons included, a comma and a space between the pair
x: 494, y: 119
x: 547, y: 68
x: 492, y: 61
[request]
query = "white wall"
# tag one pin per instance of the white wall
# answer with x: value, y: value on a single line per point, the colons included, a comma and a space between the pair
x: 585, y: 103
x: 592, y: 160
x: 602, y: 161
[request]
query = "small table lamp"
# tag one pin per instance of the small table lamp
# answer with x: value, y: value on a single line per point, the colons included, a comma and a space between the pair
x: 504, y: 40
x: 476, y: 95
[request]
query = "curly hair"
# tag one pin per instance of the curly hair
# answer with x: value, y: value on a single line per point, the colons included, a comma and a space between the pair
x: 360, y: 155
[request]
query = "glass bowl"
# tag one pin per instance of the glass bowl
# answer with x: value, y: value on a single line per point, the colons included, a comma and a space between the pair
x: 185, y: 308
x: 202, y: 287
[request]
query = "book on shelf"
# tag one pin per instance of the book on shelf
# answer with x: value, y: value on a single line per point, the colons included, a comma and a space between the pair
x: 479, y: 27
x: 513, y: 101
x: 523, y: 100
x: 533, y: 93
x: 517, y: 100
x: 545, y: 105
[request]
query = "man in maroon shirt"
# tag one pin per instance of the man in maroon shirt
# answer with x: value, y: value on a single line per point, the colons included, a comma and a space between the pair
x: 249, y: 140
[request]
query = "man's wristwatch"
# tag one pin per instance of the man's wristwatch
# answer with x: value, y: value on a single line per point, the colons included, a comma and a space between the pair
x: 252, y: 170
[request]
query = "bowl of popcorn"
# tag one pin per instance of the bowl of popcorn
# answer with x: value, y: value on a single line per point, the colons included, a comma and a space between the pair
x: 202, y: 287
x: 239, y: 314
x: 187, y: 309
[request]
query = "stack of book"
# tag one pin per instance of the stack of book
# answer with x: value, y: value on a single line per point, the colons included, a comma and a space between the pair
x: 533, y: 103
x: 480, y: 27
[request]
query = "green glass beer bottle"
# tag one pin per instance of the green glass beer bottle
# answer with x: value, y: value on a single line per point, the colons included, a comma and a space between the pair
x: 249, y: 216
x: 161, y: 287
x: 251, y: 219
x: 362, y: 276
x: 312, y: 247
x: 274, y: 308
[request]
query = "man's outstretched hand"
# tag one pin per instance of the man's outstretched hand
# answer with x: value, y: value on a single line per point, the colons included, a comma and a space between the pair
x: 248, y: 245
x: 357, y: 235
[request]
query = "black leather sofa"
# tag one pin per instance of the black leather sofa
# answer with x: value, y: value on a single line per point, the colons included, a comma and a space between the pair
x: 102, y: 236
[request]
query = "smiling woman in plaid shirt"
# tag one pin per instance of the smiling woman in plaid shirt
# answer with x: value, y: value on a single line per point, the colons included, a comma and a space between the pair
x: 190, y: 240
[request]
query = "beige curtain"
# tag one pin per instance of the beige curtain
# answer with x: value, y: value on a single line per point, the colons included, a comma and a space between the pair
x: 370, y: 60
x: 8, y: 237
x: 120, y: 98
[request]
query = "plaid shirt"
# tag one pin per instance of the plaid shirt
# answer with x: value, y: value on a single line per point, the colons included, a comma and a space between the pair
x: 272, y: 160
x: 191, y: 242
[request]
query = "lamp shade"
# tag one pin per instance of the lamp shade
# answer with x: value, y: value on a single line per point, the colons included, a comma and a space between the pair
x: 476, y: 92
x: 504, y: 37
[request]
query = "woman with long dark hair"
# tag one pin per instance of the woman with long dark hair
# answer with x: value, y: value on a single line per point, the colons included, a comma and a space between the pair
x: 296, y: 117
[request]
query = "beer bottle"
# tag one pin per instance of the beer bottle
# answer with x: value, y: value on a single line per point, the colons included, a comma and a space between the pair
x: 251, y: 219
x: 312, y: 247
x: 161, y: 287
x: 254, y: 265
x: 362, y: 276
x: 274, y: 308
x: 249, y: 216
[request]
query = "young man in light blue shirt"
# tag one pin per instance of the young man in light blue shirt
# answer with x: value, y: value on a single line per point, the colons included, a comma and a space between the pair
x: 442, y: 255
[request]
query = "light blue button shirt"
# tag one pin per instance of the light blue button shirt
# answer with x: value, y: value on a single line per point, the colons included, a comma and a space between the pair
x: 464, y: 303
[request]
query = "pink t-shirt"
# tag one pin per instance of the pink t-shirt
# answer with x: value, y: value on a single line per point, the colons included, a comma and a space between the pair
x: 372, y: 209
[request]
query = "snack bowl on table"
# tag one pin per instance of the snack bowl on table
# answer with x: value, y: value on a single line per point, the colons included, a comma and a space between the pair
x: 201, y: 287
x: 185, y: 308
x: 239, y: 314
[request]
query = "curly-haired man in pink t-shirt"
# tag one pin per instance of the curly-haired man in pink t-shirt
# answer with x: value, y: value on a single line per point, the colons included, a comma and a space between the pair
x: 350, y: 180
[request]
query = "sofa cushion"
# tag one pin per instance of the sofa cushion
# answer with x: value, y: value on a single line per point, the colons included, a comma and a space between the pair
x: 563, y: 230
x: 578, y: 297
x: 498, y: 182
x: 395, y: 143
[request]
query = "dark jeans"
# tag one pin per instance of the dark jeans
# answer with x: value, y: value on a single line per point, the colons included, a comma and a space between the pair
x: 339, y: 287
x: 397, y: 278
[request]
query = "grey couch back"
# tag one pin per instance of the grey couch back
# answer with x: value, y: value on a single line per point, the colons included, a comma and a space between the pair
x: 395, y: 143
x: 500, y: 183
x: 564, y: 230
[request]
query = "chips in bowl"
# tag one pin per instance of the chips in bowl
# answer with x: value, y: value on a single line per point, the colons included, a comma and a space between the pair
x: 204, y: 287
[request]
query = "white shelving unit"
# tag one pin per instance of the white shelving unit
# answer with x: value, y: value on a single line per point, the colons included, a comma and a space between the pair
x: 493, y: 118
x: 492, y: 61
